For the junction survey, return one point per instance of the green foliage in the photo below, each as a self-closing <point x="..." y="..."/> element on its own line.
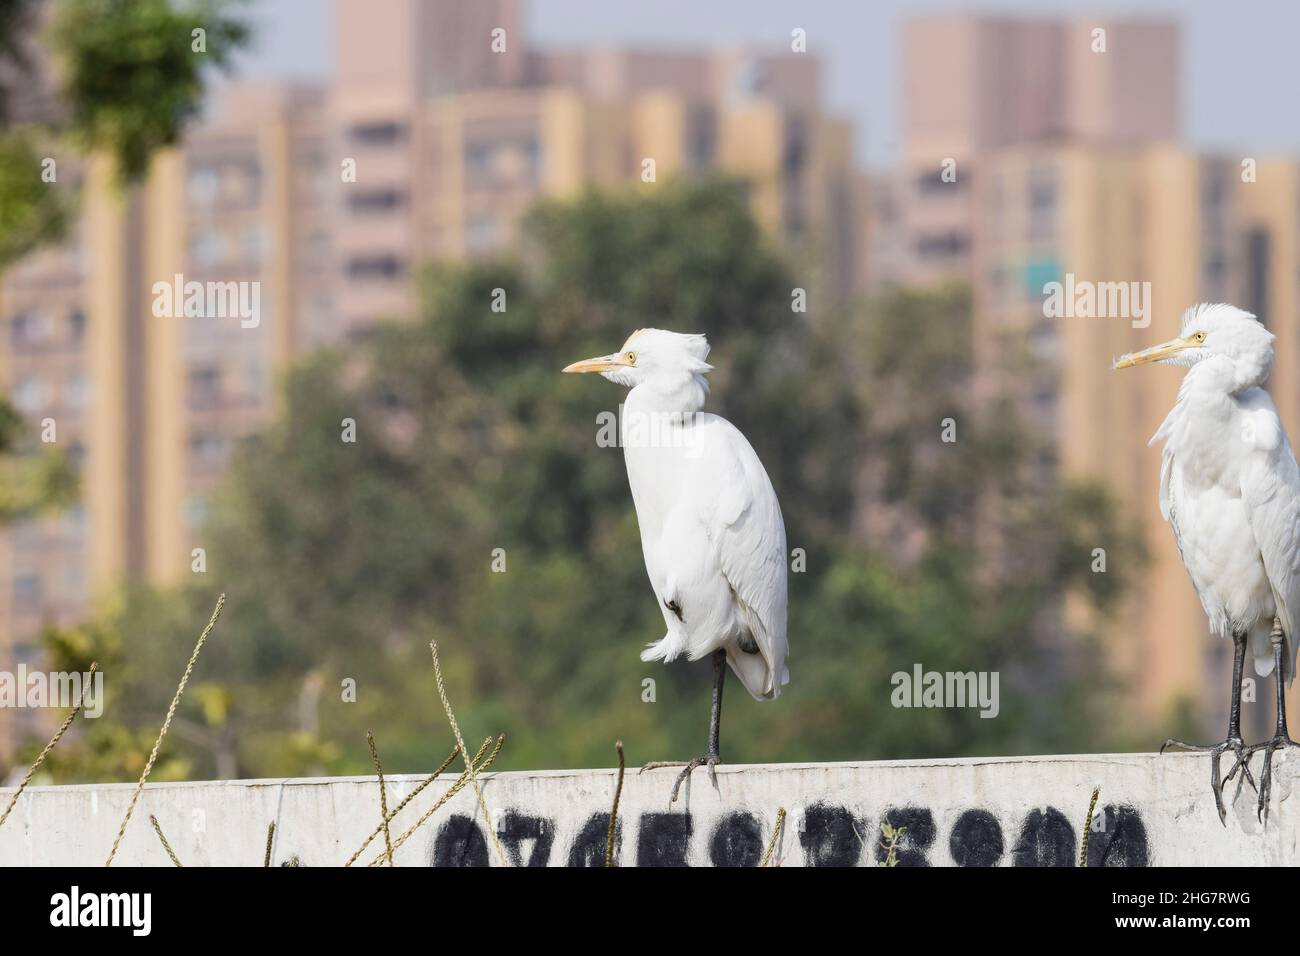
<point x="342" y="560"/>
<point x="131" y="80"/>
<point x="133" y="75"/>
<point x="116" y="745"/>
<point x="892" y="836"/>
<point x="32" y="480"/>
<point x="32" y="212"/>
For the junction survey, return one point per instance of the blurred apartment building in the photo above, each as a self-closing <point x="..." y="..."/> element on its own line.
<point x="1069" y="163"/>
<point x="975" y="85"/>
<point x="425" y="144"/>
<point x="453" y="142"/>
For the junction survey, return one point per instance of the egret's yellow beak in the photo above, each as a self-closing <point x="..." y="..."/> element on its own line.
<point x="602" y="363"/>
<point x="1154" y="354"/>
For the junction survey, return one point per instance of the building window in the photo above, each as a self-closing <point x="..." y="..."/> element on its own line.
<point x="255" y="380"/>
<point x="531" y="151"/>
<point x="253" y="243"/>
<point x="374" y="267"/>
<point x="1257" y="277"/>
<point x="483" y="232"/>
<point x="497" y="163"/>
<point x="1044" y="340"/>
<point x="77" y="325"/>
<point x="1213" y="191"/>
<point x="1042" y="204"/>
<point x="997" y="285"/>
<point x="204" y="386"/>
<point x="243" y="183"/>
<point x="794" y="156"/>
<point x="1043" y="410"/>
<point x="318" y="248"/>
<point x="205" y="248"/>
<point x="76" y="391"/>
<point x="996" y="195"/>
<point x="375" y="200"/>
<point x="27" y="592"/>
<point x="1038" y="273"/>
<point x="208" y="451"/>
<point x="478" y="160"/>
<point x="74" y="584"/>
<point x="701" y="139"/>
<point x="943" y="245"/>
<point x="932" y="182"/>
<point x="1215" y="267"/>
<point x="74" y="521"/>
<point x="204" y="185"/>
<point x="1042" y="189"/>
<point x="30" y="328"/>
<point x="29" y="394"/>
<point x="196" y="512"/>
<point x="377" y="134"/>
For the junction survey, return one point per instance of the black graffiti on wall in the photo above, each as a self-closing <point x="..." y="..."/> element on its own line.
<point x="828" y="835"/>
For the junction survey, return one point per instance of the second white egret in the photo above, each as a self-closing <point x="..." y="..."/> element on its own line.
<point x="1230" y="489"/>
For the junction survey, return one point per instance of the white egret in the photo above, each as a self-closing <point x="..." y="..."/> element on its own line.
<point x="1230" y="489"/>
<point x="711" y="527"/>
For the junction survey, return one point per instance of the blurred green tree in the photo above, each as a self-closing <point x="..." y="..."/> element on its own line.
<point x="343" y="559"/>
<point x="134" y="70"/>
<point x="131" y="73"/>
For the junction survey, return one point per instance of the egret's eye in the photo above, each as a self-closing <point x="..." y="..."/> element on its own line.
<point x="631" y="358"/>
<point x="1198" y="338"/>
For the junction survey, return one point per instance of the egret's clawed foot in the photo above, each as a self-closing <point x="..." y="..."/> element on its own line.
<point x="1242" y="763"/>
<point x="1266" y="774"/>
<point x="708" y="760"/>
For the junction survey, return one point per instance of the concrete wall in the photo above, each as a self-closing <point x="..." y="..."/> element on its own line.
<point x="1153" y="811"/>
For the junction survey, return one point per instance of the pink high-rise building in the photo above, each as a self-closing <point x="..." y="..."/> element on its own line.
<point x="976" y="84"/>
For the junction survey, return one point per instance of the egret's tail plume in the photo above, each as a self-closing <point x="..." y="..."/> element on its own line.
<point x="665" y="649"/>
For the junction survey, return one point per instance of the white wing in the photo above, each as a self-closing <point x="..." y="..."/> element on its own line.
<point x="1168" y="476"/>
<point x="1270" y="489"/>
<point x="752" y="554"/>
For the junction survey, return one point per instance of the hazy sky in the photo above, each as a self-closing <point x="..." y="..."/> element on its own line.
<point x="1241" y="67"/>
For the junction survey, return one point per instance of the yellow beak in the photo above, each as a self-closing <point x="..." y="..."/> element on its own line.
<point x="601" y="363"/>
<point x="1154" y="354"/>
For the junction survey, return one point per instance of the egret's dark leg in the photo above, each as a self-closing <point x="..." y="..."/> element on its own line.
<point x="1281" y="738"/>
<point x="713" y="757"/>
<point x="715" y="719"/>
<point x="1233" y="741"/>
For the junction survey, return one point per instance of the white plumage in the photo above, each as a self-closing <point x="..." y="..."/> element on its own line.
<point x="1230" y="490"/>
<point x="711" y="528"/>
<point x="714" y="545"/>
<point x="1229" y="485"/>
